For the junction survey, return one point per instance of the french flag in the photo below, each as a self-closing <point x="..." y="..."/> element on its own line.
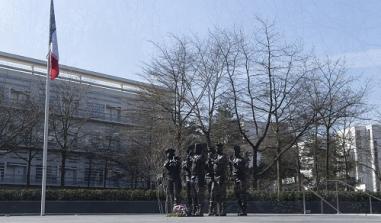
<point x="53" y="45"/>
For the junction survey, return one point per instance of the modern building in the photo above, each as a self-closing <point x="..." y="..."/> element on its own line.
<point x="363" y="143"/>
<point x="106" y="114"/>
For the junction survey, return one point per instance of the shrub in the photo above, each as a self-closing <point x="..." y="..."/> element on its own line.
<point x="14" y="194"/>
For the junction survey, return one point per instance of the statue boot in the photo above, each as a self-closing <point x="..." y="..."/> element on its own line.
<point x="243" y="211"/>
<point x="221" y="207"/>
<point x="212" y="208"/>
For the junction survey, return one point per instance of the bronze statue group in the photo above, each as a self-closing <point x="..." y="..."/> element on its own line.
<point x="203" y="172"/>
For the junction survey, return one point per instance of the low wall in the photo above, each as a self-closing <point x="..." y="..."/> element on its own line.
<point x="114" y="207"/>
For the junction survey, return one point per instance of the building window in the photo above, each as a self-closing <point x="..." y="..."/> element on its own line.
<point x="114" y="141"/>
<point x="113" y="113"/>
<point x="2" y="171"/>
<point x="38" y="173"/>
<point x="71" y="176"/>
<point x="16" y="172"/>
<point x="96" y="139"/>
<point x="96" y="110"/>
<point x="1" y="94"/>
<point x="51" y="173"/>
<point x="19" y="96"/>
<point x="94" y="176"/>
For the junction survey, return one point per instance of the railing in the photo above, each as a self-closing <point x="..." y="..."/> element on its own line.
<point x="322" y="201"/>
<point x="370" y="196"/>
<point x="337" y="206"/>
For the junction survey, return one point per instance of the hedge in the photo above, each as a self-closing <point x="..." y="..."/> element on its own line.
<point x="14" y="194"/>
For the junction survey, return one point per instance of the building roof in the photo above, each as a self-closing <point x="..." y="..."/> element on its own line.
<point x="38" y="67"/>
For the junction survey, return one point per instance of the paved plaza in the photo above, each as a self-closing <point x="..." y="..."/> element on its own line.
<point x="161" y="218"/>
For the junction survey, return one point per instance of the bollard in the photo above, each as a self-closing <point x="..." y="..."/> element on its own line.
<point x="337" y="199"/>
<point x="370" y="205"/>
<point x="304" y="202"/>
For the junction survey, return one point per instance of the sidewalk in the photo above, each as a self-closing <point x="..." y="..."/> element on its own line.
<point x="344" y="218"/>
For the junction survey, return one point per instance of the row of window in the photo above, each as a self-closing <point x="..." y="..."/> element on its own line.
<point x="103" y="111"/>
<point x="16" y="173"/>
<point x="94" y="110"/>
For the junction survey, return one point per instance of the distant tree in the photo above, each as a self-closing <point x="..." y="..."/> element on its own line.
<point x="344" y="148"/>
<point x="265" y="76"/>
<point x="30" y="141"/>
<point x="337" y="98"/>
<point x="171" y="76"/>
<point x="106" y="145"/>
<point x="19" y="119"/>
<point x="209" y="86"/>
<point x="225" y="127"/>
<point x="65" y="119"/>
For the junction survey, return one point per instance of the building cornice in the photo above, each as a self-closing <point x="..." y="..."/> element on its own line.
<point x="35" y="63"/>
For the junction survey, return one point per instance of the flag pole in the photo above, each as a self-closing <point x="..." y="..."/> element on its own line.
<point x="46" y="134"/>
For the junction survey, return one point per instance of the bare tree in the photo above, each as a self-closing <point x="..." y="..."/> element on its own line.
<point x="171" y="75"/>
<point x="344" y="142"/>
<point x="225" y="129"/>
<point x="17" y="117"/>
<point x="338" y="99"/>
<point x="66" y="119"/>
<point x="276" y="93"/>
<point x="31" y="142"/>
<point x="263" y="75"/>
<point x="208" y="89"/>
<point x="149" y="139"/>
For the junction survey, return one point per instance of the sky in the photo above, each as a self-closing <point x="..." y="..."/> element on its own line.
<point x="115" y="36"/>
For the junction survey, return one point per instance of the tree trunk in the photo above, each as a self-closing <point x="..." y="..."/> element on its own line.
<point x="278" y="164"/>
<point x="346" y="165"/>
<point x="63" y="168"/>
<point x="179" y="137"/>
<point x="89" y="172"/>
<point x="105" y="174"/>
<point x="255" y="167"/>
<point x="279" y="179"/>
<point x="278" y="161"/>
<point x="328" y="145"/>
<point x="298" y="168"/>
<point x="208" y="140"/>
<point x="377" y="170"/>
<point x="136" y="181"/>
<point x="29" y="164"/>
<point x="299" y="176"/>
<point x="316" y="161"/>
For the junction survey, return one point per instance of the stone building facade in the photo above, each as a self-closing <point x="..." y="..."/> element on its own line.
<point x="107" y="113"/>
<point x="363" y="142"/>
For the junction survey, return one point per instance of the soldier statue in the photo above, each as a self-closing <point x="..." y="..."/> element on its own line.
<point x="220" y="166"/>
<point x="198" y="179"/>
<point x="210" y="179"/>
<point x="240" y="182"/>
<point x="172" y="170"/>
<point x="187" y="169"/>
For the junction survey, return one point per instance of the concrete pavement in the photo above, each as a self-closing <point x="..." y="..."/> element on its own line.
<point x="260" y="218"/>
